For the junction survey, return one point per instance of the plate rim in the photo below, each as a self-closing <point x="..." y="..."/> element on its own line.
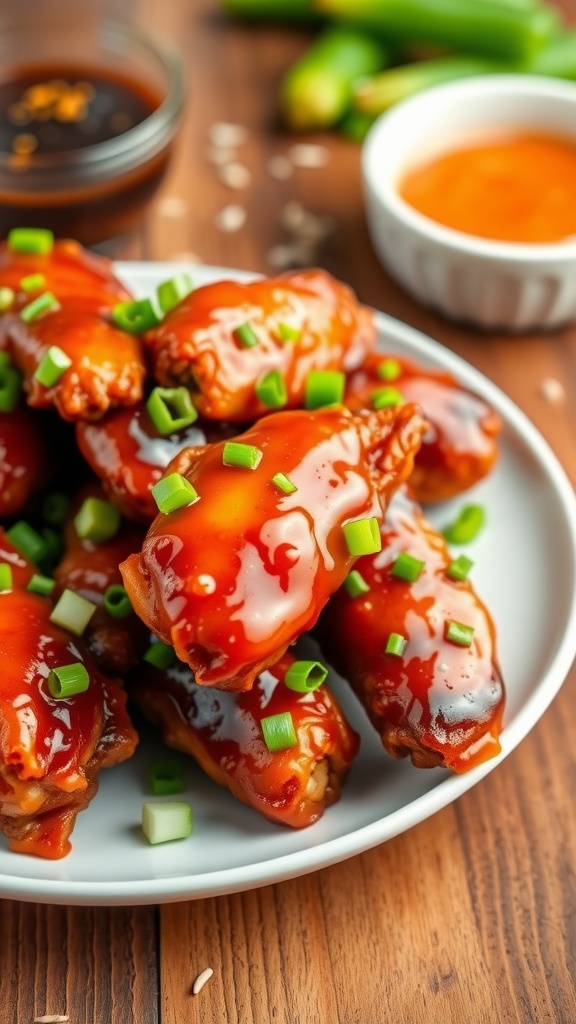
<point x="175" y="888"/>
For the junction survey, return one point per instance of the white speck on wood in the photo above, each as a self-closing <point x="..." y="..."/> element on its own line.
<point x="308" y="154"/>
<point x="280" y="167"/>
<point x="552" y="390"/>
<point x="172" y="206"/>
<point x="52" y="1018"/>
<point x="226" y="135"/>
<point x="201" y="980"/>
<point x="231" y="218"/>
<point x="234" y="175"/>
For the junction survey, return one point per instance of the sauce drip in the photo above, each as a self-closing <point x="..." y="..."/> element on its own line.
<point x="513" y="187"/>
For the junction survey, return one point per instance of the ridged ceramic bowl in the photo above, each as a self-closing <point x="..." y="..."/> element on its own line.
<point x="515" y="286"/>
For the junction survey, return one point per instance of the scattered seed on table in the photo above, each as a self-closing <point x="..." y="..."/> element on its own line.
<point x="201" y="980"/>
<point x="292" y="216"/>
<point x="226" y="135"/>
<point x="52" y="1018"/>
<point x="279" y="167"/>
<point x="218" y="155"/>
<point x="231" y="218"/>
<point x="185" y="257"/>
<point x="172" y="206"/>
<point x="552" y="390"/>
<point x="308" y="154"/>
<point x="234" y="175"/>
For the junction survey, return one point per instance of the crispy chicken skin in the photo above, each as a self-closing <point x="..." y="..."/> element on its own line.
<point x="25" y="458"/>
<point x="50" y="749"/>
<point x="438" y="703"/>
<point x="222" y="731"/>
<point x="129" y="455"/>
<point x="107" y="363"/>
<point x="196" y="345"/>
<point x="460" y="446"/>
<point x="232" y="579"/>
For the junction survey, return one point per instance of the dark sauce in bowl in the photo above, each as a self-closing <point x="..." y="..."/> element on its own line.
<point x="85" y="145"/>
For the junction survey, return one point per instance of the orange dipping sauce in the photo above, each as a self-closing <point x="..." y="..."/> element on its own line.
<point x="513" y="187"/>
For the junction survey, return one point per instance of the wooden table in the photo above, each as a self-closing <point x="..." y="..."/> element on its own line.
<point x="470" y="918"/>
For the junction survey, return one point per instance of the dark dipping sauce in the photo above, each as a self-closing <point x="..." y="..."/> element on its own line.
<point x="57" y="111"/>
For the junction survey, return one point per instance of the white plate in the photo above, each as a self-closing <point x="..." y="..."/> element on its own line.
<point x="525" y="570"/>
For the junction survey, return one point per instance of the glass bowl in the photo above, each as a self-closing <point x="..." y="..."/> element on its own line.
<point x="91" y="191"/>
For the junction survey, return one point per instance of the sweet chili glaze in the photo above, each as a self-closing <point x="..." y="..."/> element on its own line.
<point x="129" y="455"/>
<point x="234" y="578"/>
<point x="438" y="703"/>
<point x="107" y="364"/>
<point x="459" y="447"/>
<point x="50" y="748"/>
<point x="195" y="344"/>
<point x="511" y="185"/>
<point x="222" y="731"/>
<point x="87" y="568"/>
<point x="25" y="458"/>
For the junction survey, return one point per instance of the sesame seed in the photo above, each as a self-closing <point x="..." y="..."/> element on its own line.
<point x="308" y="154"/>
<point x="172" y="206"/>
<point x="219" y="155"/>
<point x="279" y="167"/>
<point x="225" y="135"/>
<point x="230" y="218"/>
<point x="52" y="1018"/>
<point x="201" y="980"/>
<point x="552" y="390"/>
<point x="234" y="175"/>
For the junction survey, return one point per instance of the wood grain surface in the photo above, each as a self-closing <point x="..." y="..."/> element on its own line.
<point x="469" y="918"/>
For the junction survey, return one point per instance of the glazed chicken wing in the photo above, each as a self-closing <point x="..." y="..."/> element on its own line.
<point x="234" y="577"/>
<point x="460" y="446"/>
<point x="222" y="339"/>
<point x="129" y="455"/>
<point x="436" y="701"/>
<point x="107" y="365"/>
<point x="25" y="458"/>
<point x="51" y="748"/>
<point x="222" y="731"/>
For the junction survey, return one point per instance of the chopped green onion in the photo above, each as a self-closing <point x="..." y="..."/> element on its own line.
<point x="246" y="456"/>
<point x="97" y="520"/>
<point x="171" y="409"/>
<point x="245" y="336"/>
<point x="136" y="316"/>
<point x="68" y="680"/>
<point x="165" y="777"/>
<point x="396" y="645"/>
<point x="27" y="541"/>
<point x="406" y="567"/>
<point x="52" y="366"/>
<point x="5" y="360"/>
<point x="37" y="307"/>
<point x="116" y="602"/>
<point x="55" y="508"/>
<point x="10" y="388"/>
<point x="7" y="297"/>
<point x="355" y="584"/>
<point x="389" y="369"/>
<point x="278" y="731"/>
<point x="458" y="633"/>
<point x="281" y="481"/>
<point x="386" y="397"/>
<point x="33" y="240"/>
<point x="271" y="390"/>
<point x="5" y="576"/>
<point x="289" y="333"/>
<point x="305" y="676"/>
<point x="363" y="536"/>
<point x="324" y="387"/>
<point x="72" y="612"/>
<point x="173" y="492"/>
<point x="160" y="655"/>
<point x="33" y="283"/>
<point x="466" y="526"/>
<point x="171" y="292"/>
<point x="43" y="585"/>
<point x="163" y="822"/>
<point x="459" y="569"/>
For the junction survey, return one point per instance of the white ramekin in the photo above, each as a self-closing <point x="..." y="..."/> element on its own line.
<point x="493" y="284"/>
